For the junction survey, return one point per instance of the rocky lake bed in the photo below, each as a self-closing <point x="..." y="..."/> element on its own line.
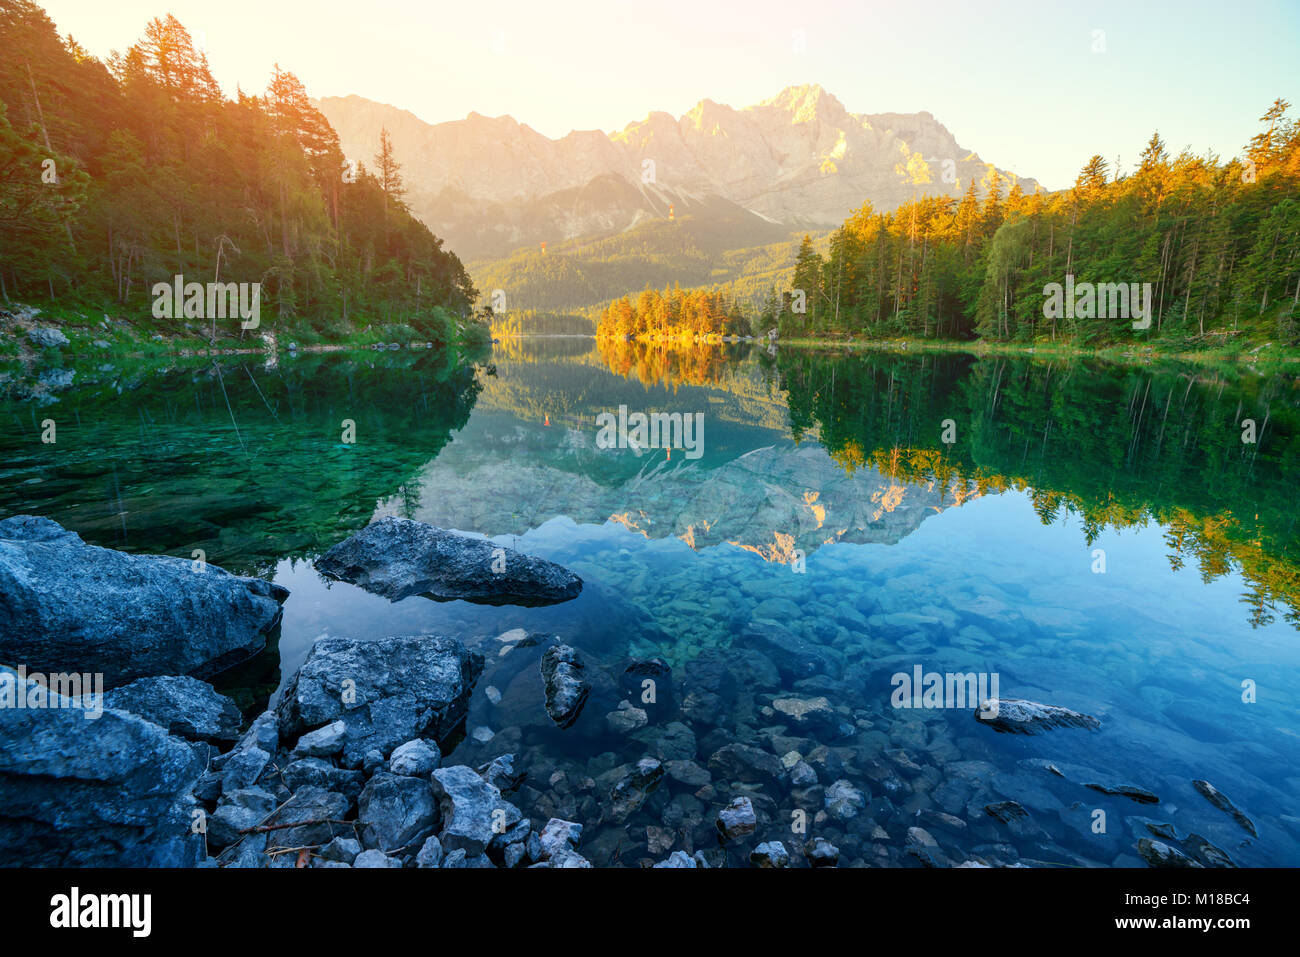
<point x="529" y="749"/>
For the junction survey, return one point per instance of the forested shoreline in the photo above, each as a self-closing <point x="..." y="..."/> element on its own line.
<point x="123" y="174"/>
<point x="1217" y="244"/>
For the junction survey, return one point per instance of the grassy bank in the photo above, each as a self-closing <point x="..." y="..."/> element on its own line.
<point x="1261" y="357"/>
<point x="98" y="336"/>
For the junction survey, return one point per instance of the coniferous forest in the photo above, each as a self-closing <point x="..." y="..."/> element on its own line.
<point x="1217" y="242"/>
<point x="117" y="175"/>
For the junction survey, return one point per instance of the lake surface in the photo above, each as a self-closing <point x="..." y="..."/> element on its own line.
<point x="1096" y="537"/>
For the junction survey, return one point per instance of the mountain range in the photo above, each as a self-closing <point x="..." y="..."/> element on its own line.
<point x="798" y="161"/>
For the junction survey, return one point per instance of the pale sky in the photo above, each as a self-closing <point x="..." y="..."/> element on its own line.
<point x="1029" y="84"/>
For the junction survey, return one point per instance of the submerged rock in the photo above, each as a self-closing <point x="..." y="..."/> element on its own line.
<point x="741" y="762"/>
<point x="397" y="558"/>
<point x="770" y="855"/>
<point x="794" y="657"/>
<point x="648" y="683"/>
<point x="737" y="819"/>
<point x="809" y="714"/>
<point x="501" y="774"/>
<point x="1207" y="853"/>
<point x="821" y="853"/>
<point x="1160" y="854"/>
<point x="676" y="860"/>
<point x="1130" y="791"/>
<point x="125" y="616"/>
<point x="1017" y="716"/>
<point x="1221" y="801"/>
<point x="386" y="692"/>
<point x="626" y="718"/>
<point x="843" y="801"/>
<point x="112" y="791"/>
<point x="566" y="686"/>
<point x="630" y="793"/>
<point x="185" y="707"/>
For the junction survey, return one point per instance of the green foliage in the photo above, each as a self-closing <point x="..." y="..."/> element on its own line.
<point x="1218" y="243"/>
<point x="159" y="175"/>
<point x="714" y="248"/>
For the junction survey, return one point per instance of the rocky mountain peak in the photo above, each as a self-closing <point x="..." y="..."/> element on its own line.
<point x="799" y="159"/>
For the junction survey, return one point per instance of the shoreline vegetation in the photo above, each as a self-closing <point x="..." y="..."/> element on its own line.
<point x="130" y="177"/>
<point x="89" y="340"/>
<point x="1187" y="257"/>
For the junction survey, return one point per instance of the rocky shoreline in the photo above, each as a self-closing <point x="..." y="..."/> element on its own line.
<point x="744" y="757"/>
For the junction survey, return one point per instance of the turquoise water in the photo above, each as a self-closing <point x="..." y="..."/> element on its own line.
<point x="956" y="560"/>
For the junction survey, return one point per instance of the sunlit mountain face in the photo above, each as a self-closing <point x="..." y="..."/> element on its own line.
<point x="1088" y="535"/>
<point x="798" y="159"/>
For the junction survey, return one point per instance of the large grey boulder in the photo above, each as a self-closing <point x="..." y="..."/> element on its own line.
<point x="184" y="706"/>
<point x="77" y="791"/>
<point x="126" y="616"/>
<point x="386" y="692"/>
<point x="473" y="812"/>
<point x="395" y="811"/>
<point x="397" y="558"/>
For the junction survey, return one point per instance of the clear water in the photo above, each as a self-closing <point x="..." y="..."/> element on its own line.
<point x="825" y="499"/>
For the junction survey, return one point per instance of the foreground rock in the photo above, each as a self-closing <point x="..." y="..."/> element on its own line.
<point x="1220" y="800"/>
<point x="185" y="707"/>
<point x="386" y="692"/>
<point x="1017" y="716"/>
<point x="72" y="605"/>
<point x="397" y="558"/>
<point x="566" y="687"/>
<point x="396" y="812"/>
<point x="82" y="792"/>
<point x="474" y="814"/>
